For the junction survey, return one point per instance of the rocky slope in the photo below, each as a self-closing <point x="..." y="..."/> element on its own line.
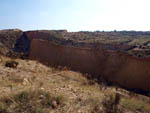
<point x="8" y="40"/>
<point x="32" y="87"/>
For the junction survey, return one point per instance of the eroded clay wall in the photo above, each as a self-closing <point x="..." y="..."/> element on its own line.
<point x="125" y="70"/>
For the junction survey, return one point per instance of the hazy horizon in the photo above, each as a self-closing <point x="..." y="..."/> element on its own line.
<point x="75" y="15"/>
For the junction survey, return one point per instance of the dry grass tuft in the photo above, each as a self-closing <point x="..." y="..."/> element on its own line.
<point x="134" y="105"/>
<point x="110" y="102"/>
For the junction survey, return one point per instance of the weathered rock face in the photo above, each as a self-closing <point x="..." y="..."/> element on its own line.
<point x="8" y="39"/>
<point x="125" y="70"/>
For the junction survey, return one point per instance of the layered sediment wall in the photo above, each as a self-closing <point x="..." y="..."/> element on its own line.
<point x="127" y="71"/>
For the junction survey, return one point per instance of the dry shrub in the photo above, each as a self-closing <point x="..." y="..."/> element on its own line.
<point x="11" y="64"/>
<point x="94" y="103"/>
<point x="110" y="102"/>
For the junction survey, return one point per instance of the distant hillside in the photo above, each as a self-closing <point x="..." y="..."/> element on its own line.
<point x="131" y="42"/>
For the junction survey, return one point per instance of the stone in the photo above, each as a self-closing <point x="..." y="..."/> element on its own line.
<point x="54" y="104"/>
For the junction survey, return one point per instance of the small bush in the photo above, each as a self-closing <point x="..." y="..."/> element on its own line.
<point x="11" y="64"/>
<point x="94" y="103"/>
<point x="110" y="103"/>
<point x="96" y="106"/>
<point x="92" y="82"/>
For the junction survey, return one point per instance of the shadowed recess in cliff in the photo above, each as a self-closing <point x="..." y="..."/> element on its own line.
<point x="22" y="44"/>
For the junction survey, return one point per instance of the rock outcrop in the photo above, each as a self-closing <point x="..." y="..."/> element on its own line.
<point x="8" y="40"/>
<point x="125" y="70"/>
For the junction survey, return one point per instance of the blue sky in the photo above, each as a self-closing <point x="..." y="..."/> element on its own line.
<point x="75" y="15"/>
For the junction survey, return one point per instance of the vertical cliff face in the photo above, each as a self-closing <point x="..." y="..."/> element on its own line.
<point x="135" y="73"/>
<point x="77" y="59"/>
<point x="125" y="70"/>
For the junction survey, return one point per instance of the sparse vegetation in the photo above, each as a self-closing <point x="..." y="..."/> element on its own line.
<point x="30" y="101"/>
<point x="35" y="88"/>
<point x="134" y="105"/>
<point x="95" y="104"/>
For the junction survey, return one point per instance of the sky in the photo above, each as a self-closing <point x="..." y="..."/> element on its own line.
<point x="75" y="15"/>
